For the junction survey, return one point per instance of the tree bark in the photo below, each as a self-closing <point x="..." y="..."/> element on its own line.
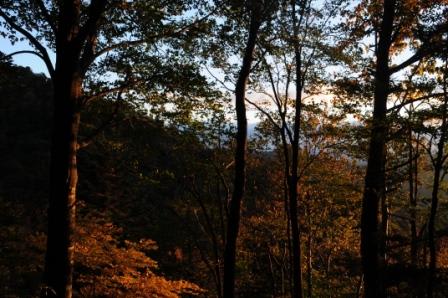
<point x="438" y="167"/>
<point x="63" y="179"/>
<point x="412" y="199"/>
<point x="233" y="220"/>
<point x="294" y="177"/>
<point x="431" y="227"/>
<point x="374" y="189"/>
<point x="63" y="168"/>
<point x="309" y="260"/>
<point x="72" y="42"/>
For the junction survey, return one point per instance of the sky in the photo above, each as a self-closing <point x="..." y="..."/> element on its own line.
<point x="38" y="66"/>
<point x="29" y="60"/>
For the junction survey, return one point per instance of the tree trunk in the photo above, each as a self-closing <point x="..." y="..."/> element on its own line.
<point x="294" y="178"/>
<point x="233" y="220"/>
<point x="374" y="189"/>
<point x="310" y="262"/>
<point x="412" y="200"/>
<point x="294" y="218"/>
<point x="438" y="166"/>
<point x="412" y="183"/>
<point x="63" y="169"/>
<point x="63" y="179"/>
<point x="431" y="227"/>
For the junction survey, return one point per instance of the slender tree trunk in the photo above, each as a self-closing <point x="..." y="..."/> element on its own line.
<point x="294" y="217"/>
<point x="233" y="220"/>
<point x="294" y="178"/>
<point x="412" y="200"/>
<point x="438" y="166"/>
<point x="417" y="149"/>
<point x="374" y="189"/>
<point x="310" y="265"/>
<point x="431" y="228"/>
<point x="286" y="196"/>
<point x="384" y="229"/>
<point x="412" y="183"/>
<point x="295" y="230"/>
<point x="272" y="274"/>
<point x="359" y="287"/>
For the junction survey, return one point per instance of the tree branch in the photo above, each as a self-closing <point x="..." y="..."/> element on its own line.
<point x="88" y="140"/>
<point x="422" y="52"/>
<point x="264" y="113"/>
<point x="46" y="14"/>
<point x="89" y="32"/>
<point x="103" y="93"/>
<point x="39" y="47"/>
<point x="152" y="37"/>
<point x="399" y="106"/>
<point x="22" y="52"/>
<point x="425" y="49"/>
<point x="96" y="9"/>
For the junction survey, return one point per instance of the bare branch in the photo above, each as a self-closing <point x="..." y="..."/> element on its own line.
<point x="264" y="113"/>
<point x="37" y="45"/>
<point x="105" y="92"/>
<point x="88" y="140"/>
<point x="23" y="52"/>
<point x="413" y="100"/>
<point x="221" y="82"/>
<point x="123" y="44"/>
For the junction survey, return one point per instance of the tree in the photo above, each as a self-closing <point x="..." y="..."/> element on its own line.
<point x="110" y="259"/>
<point x="374" y="190"/>
<point x="255" y="10"/>
<point x="395" y="26"/>
<point x="296" y="53"/>
<point x="81" y="36"/>
<point x="434" y="116"/>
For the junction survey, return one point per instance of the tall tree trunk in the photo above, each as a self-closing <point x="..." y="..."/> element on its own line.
<point x="233" y="220"/>
<point x="431" y="227"/>
<point x="412" y="184"/>
<point x="63" y="179"/>
<point x="63" y="168"/>
<point x="384" y="229"/>
<point x="374" y="189"/>
<point x="309" y="257"/>
<point x="294" y="177"/>
<point x="294" y="218"/>
<point x="438" y="166"/>
<point x="412" y="199"/>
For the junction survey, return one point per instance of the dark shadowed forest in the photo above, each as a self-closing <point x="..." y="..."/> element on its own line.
<point x="224" y="148"/>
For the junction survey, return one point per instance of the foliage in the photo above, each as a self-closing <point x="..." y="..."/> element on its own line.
<point x="110" y="268"/>
<point x="156" y="147"/>
<point x="107" y="264"/>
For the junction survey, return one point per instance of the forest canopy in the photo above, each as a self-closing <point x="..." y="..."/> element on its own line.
<point x="224" y="148"/>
